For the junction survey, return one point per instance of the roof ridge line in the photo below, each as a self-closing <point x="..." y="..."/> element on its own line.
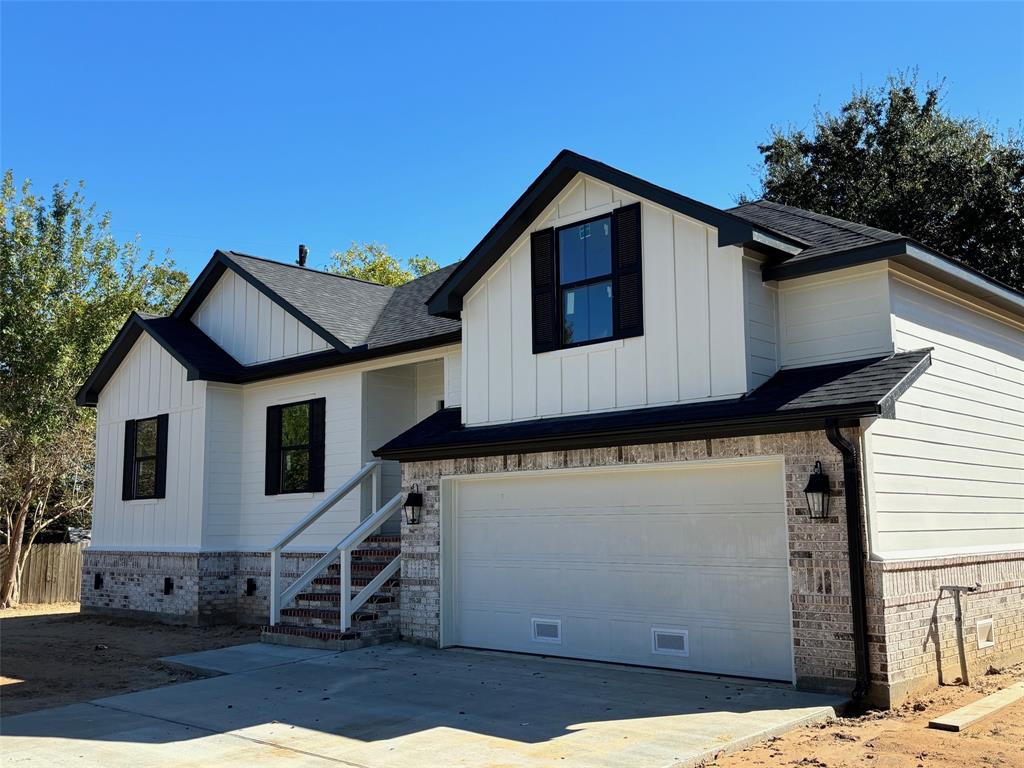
<point x="307" y="269"/>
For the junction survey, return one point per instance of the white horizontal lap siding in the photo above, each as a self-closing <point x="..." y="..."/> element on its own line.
<point x="948" y="472"/>
<point x="256" y="520"/>
<point x="453" y="377"/>
<point x="762" y="329"/>
<point x="693" y="345"/>
<point x="842" y="315"/>
<point x="147" y="383"/>
<point x="251" y="327"/>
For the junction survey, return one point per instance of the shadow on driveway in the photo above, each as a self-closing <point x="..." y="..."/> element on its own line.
<point x="407" y="705"/>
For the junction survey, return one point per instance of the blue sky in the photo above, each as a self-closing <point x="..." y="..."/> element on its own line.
<point x="260" y="126"/>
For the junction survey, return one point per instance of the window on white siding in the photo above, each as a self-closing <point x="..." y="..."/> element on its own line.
<point x="585" y="280"/>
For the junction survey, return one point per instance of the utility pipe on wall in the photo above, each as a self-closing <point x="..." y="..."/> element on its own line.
<point x="855" y="547"/>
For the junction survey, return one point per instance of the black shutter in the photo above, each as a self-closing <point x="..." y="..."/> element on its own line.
<point x="628" y="271"/>
<point x="272" y="474"/>
<point x="128" y="475"/>
<point x="544" y="282"/>
<point x="317" y="432"/>
<point x="161" y="456"/>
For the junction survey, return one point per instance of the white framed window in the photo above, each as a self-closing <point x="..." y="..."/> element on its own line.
<point x="669" y="641"/>
<point x="546" y="630"/>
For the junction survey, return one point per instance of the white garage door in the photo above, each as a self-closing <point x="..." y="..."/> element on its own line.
<point x="670" y="567"/>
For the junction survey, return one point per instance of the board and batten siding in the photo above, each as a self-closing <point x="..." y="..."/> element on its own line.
<point x="147" y="383"/>
<point x="841" y="315"/>
<point x="250" y="326"/>
<point x="693" y="345"/>
<point x="761" y="302"/>
<point x="947" y="475"/>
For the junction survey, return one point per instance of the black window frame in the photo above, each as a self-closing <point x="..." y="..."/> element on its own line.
<point x="133" y="459"/>
<point x="561" y="287"/>
<point x="276" y="450"/>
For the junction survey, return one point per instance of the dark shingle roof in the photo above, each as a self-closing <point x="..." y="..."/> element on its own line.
<point x="344" y="307"/>
<point x="794" y="399"/>
<point x="405" y="316"/>
<point x="823" y="234"/>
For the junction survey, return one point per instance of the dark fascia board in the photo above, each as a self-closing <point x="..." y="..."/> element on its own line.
<point x="208" y="278"/>
<point x="887" y="406"/>
<point x="732" y="230"/>
<point x="330" y="359"/>
<point x="796" y="421"/>
<point x="88" y="394"/>
<point x="911" y="254"/>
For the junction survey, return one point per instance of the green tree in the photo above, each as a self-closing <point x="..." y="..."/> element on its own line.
<point x="894" y="158"/>
<point x="371" y="261"/>
<point x="66" y="287"/>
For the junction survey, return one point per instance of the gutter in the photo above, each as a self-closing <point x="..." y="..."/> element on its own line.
<point x="855" y="545"/>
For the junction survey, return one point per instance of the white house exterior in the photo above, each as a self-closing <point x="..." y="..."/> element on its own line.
<point x="611" y="408"/>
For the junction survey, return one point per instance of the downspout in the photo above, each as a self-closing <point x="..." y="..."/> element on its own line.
<point x="855" y="543"/>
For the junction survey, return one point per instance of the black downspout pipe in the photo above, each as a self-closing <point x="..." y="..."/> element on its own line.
<point x="855" y="543"/>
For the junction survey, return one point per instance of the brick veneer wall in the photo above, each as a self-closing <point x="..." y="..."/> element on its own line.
<point x="918" y="647"/>
<point x="209" y="587"/>
<point x="822" y="619"/>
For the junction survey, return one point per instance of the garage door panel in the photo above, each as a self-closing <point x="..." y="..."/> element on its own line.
<point x="612" y="555"/>
<point x="626" y="535"/>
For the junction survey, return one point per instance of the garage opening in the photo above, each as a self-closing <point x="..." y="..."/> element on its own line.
<point x="677" y="566"/>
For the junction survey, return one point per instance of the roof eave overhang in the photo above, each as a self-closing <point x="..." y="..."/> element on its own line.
<point x="846" y="416"/>
<point x="910" y="254"/>
<point x="732" y="230"/>
<point x="88" y="394"/>
<point x="221" y="261"/>
<point x="332" y="359"/>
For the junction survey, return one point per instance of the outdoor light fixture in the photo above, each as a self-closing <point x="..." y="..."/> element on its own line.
<point x="413" y="505"/>
<point x="817" y="492"/>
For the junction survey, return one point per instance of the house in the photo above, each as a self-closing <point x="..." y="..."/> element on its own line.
<point x="627" y="427"/>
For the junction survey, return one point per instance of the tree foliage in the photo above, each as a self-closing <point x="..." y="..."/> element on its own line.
<point x="894" y="158"/>
<point x="66" y="287"/>
<point x="373" y="262"/>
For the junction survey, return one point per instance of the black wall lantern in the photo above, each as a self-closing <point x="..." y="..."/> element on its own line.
<point x="413" y="505"/>
<point x="817" y="493"/>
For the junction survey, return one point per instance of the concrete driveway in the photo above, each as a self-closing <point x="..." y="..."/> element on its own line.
<point x="403" y="705"/>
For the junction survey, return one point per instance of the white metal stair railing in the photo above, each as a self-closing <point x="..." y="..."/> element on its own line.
<point x="342" y="551"/>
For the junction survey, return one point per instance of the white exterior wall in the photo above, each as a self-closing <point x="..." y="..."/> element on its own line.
<point x="257" y="520"/>
<point x="150" y="382"/>
<point x="693" y="346"/>
<point x="453" y="377"/>
<point x="430" y="388"/>
<point x="761" y="301"/>
<point x="947" y="475"/>
<point x="366" y="407"/>
<point x="841" y="315"/>
<point x="251" y="327"/>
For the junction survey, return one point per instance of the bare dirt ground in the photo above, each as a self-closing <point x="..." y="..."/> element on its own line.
<point x="51" y="655"/>
<point x="902" y="738"/>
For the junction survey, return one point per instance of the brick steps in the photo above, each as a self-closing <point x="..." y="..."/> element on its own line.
<point x="313" y="619"/>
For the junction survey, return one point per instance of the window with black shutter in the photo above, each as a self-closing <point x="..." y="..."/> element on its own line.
<point x="587" y="281"/>
<point x="295" y="447"/>
<point x="145" y="458"/>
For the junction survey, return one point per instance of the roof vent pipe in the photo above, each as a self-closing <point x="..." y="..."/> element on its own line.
<point x="303" y="253"/>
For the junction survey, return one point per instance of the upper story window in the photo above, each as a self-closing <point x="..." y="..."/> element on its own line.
<point x="585" y="280"/>
<point x="295" y="447"/>
<point x="145" y="458"/>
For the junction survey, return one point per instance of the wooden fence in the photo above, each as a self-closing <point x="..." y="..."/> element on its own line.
<point x="53" y="574"/>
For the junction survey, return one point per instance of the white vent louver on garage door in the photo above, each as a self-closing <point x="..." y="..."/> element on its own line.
<point x="547" y="630"/>
<point x="670" y="642"/>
